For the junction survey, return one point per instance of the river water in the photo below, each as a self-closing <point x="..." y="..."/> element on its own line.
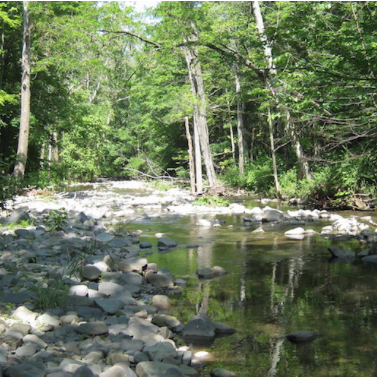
<point x="274" y="286"/>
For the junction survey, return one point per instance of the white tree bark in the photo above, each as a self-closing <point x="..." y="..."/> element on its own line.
<point x="303" y="166"/>
<point x="23" y="138"/>
<point x="200" y="113"/>
<point x="240" y="125"/>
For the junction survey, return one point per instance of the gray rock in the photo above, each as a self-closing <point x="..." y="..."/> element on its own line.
<point x="157" y="369"/>
<point x="132" y="344"/>
<point x="301" y="337"/>
<point x="110" y="306"/>
<point x="159" y="281"/>
<point x="140" y="356"/>
<point x="340" y="253"/>
<point x="16" y="217"/>
<point x="118" y="371"/>
<point x="26" y="350"/>
<point x="104" y="237"/>
<point x="88" y="312"/>
<point x="25" y="370"/>
<point x="24" y="233"/>
<point x="83" y="372"/>
<point x="370" y="259"/>
<point x="93" y="328"/>
<point x="70" y="366"/>
<point x="222" y="329"/>
<point x="34" y="339"/>
<point x="205" y="273"/>
<point x="90" y="272"/>
<point x="132" y="264"/>
<point x="138" y="328"/>
<point x="219" y="372"/>
<point x="166" y="242"/>
<point x="160" y="351"/>
<point x="272" y="215"/>
<point x="161" y="302"/>
<point x="145" y="245"/>
<point x="199" y="328"/>
<point x="110" y="289"/>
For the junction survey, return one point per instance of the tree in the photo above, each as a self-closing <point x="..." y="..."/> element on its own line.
<point x="23" y="139"/>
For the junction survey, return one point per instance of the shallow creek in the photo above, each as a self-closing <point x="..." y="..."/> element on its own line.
<point x="274" y="286"/>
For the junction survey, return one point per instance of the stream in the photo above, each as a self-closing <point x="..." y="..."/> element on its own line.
<point x="274" y="286"/>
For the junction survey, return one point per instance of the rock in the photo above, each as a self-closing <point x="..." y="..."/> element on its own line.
<point x="104" y="237"/>
<point x="25" y="370"/>
<point x="16" y="217"/>
<point x="24" y="314"/>
<point x="161" y="302"/>
<point x="296" y="231"/>
<point x="110" y="289"/>
<point x="370" y="259"/>
<point x="219" y="372"/>
<point x="302" y="337"/>
<point x="272" y="215"/>
<point x="166" y="242"/>
<point x="90" y="272"/>
<point x="83" y="371"/>
<point x="157" y="369"/>
<point x="337" y="252"/>
<point x="204" y="222"/>
<point x="205" y="273"/>
<point x="138" y="328"/>
<point x="26" y="350"/>
<point x="118" y="371"/>
<point x="145" y="245"/>
<point x="222" y="329"/>
<point x="93" y="328"/>
<point x="199" y="328"/>
<point x="109" y="306"/>
<point x="160" y="351"/>
<point x="159" y="281"/>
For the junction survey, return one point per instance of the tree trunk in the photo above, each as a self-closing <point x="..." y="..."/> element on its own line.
<point x="191" y="155"/>
<point x="240" y="125"/>
<point x="303" y="166"/>
<point x="273" y="155"/>
<point x="23" y="139"/>
<point x="200" y="104"/>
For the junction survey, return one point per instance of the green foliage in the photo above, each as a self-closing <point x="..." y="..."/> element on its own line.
<point x="9" y="185"/>
<point x="257" y="177"/>
<point x="212" y="201"/>
<point x="57" y="219"/>
<point x="52" y="295"/>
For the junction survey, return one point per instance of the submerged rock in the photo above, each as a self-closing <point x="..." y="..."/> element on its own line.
<point x="337" y="252"/>
<point x="302" y="337"/>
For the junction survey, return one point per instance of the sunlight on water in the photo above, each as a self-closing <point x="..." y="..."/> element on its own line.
<point x="274" y="286"/>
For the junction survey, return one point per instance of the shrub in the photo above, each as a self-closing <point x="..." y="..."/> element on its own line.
<point x="212" y="201"/>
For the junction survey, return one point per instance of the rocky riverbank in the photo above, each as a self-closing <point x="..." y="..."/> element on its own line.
<point x="79" y="300"/>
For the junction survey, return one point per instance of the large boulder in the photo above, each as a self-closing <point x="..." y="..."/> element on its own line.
<point x="272" y="215"/>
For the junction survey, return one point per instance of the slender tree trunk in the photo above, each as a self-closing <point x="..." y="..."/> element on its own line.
<point x="303" y="166"/>
<point x="273" y="155"/>
<point x="191" y="155"/>
<point x="240" y="125"/>
<point x="200" y="102"/>
<point x="23" y="139"/>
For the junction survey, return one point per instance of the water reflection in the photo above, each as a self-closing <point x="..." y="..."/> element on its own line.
<point x="275" y="286"/>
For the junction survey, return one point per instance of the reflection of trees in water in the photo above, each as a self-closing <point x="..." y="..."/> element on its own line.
<point x="278" y="301"/>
